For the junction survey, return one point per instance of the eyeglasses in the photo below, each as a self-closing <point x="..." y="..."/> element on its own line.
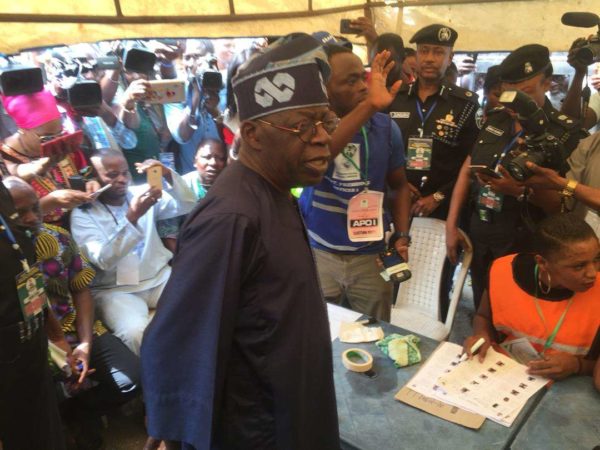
<point x="307" y="130"/>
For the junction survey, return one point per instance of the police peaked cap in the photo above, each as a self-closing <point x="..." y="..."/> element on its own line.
<point x="524" y="63"/>
<point x="289" y="74"/>
<point x="435" y="34"/>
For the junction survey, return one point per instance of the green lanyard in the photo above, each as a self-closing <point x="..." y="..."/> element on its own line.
<point x="363" y="175"/>
<point x="552" y="335"/>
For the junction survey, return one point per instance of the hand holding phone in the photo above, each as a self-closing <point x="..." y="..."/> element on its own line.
<point x="395" y="268"/>
<point x="346" y="27"/>
<point x="154" y="176"/>
<point x="62" y="145"/>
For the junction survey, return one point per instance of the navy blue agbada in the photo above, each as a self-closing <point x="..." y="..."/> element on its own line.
<point x="239" y="353"/>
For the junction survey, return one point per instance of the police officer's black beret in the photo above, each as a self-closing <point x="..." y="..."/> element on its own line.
<point x="492" y="78"/>
<point x="435" y="34"/>
<point x="524" y="63"/>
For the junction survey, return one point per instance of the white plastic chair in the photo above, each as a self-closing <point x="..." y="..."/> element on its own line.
<point x="417" y="307"/>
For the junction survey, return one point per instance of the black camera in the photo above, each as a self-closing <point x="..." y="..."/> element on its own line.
<point x="20" y="80"/>
<point x="108" y="63"/>
<point x="542" y="148"/>
<point x="85" y="94"/>
<point x="586" y="50"/>
<point x="211" y="80"/>
<point x="139" y="60"/>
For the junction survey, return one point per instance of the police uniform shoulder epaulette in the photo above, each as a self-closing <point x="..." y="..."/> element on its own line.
<point x="563" y="120"/>
<point x="496" y="110"/>
<point x="463" y="93"/>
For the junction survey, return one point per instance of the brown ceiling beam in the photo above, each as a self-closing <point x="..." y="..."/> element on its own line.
<point x="233" y="17"/>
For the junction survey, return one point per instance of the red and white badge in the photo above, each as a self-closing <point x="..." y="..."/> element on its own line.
<point x="365" y="217"/>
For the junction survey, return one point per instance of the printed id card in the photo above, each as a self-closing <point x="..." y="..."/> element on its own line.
<point x="31" y="292"/>
<point x="419" y="153"/>
<point x="365" y="217"/>
<point x="490" y="199"/>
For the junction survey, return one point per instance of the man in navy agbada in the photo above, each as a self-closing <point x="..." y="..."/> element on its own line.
<point x="239" y="352"/>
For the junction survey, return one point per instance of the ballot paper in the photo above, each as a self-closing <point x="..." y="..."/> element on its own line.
<point x="337" y="315"/>
<point x="471" y="386"/>
<point x="59" y="356"/>
<point x="355" y="333"/>
<point x="497" y="388"/>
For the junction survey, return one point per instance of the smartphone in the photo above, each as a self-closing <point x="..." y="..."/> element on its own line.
<point x="96" y="194"/>
<point x="108" y="63"/>
<point x="154" y="177"/>
<point x="77" y="183"/>
<point x="484" y="170"/>
<point x="346" y="27"/>
<point x="166" y="91"/>
<point x="396" y="268"/>
<point x="59" y="144"/>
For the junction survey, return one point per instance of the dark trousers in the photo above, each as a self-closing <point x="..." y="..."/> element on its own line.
<point x="117" y="373"/>
<point x="503" y="236"/>
<point x="29" y="418"/>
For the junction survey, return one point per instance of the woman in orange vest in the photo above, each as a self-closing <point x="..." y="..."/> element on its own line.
<point x="550" y="298"/>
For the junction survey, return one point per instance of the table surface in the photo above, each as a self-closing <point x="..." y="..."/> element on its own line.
<point x="370" y="417"/>
<point x="567" y="417"/>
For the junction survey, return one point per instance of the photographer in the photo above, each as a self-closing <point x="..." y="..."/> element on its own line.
<point x="500" y="219"/>
<point x="572" y="101"/>
<point x="87" y="109"/>
<point x="197" y="119"/>
<point x="145" y="119"/>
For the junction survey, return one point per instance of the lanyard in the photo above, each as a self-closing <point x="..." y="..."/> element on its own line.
<point x="507" y="148"/>
<point x="8" y="235"/>
<point x="424" y="119"/>
<point x="552" y="335"/>
<point x="363" y="175"/>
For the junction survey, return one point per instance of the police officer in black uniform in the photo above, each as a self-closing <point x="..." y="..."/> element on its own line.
<point x="29" y="418"/>
<point x="502" y="210"/>
<point x="437" y="120"/>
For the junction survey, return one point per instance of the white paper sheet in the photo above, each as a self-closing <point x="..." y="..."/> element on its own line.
<point x="337" y="315"/>
<point x="498" y="387"/>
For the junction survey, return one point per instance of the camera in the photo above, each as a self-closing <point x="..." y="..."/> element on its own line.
<point x="542" y="148"/>
<point x="139" y="60"/>
<point x="84" y="94"/>
<point x="586" y="50"/>
<point x="20" y="80"/>
<point x="395" y="267"/>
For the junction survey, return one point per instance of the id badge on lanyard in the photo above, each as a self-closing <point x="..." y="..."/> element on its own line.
<point x="490" y="199"/>
<point x="365" y="217"/>
<point x="420" y="147"/>
<point x="31" y="292"/>
<point x="420" y="150"/>
<point x="30" y="283"/>
<point x="365" y="210"/>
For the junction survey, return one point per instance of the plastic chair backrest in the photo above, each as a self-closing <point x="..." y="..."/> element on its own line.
<point x="427" y="254"/>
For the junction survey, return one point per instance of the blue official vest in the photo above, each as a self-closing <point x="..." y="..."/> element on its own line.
<point x="324" y="205"/>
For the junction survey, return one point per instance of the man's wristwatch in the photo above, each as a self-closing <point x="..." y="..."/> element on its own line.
<point x="439" y="196"/>
<point x="404" y="235"/>
<point x="569" y="189"/>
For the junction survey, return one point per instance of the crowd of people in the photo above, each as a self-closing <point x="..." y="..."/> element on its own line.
<point x="167" y="248"/>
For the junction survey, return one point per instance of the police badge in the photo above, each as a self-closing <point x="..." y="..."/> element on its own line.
<point x="444" y="34"/>
<point x="527" y="68"/>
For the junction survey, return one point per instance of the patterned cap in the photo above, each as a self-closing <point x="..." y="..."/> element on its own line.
<point x="289" y="74"/>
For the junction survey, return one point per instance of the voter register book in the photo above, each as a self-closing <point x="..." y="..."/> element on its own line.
<point x="467" y="392"/>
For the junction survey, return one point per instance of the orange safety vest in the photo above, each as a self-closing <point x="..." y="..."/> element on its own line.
<point x="514" y="313"/>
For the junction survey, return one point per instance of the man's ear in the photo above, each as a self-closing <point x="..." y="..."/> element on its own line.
<point x="250" y="133"/>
